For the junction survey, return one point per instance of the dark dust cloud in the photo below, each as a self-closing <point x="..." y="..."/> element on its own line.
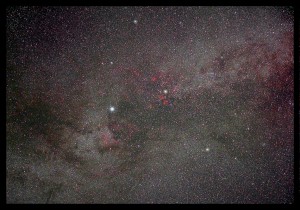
<point x="149" y="105"/>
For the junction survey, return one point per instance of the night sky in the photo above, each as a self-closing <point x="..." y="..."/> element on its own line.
<point x="149" y="105"/>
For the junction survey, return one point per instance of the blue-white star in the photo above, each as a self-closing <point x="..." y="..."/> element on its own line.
<point x="112" y="109"/>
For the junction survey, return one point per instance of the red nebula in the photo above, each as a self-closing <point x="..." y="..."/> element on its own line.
<point x="154" y="79"/>
<point x="165" y="102"/>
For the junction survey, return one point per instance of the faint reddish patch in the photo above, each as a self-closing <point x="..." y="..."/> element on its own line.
<point x="107" y="139"/>
<point x="161" y="97"/>
<point x="165" y="102"/>
<point x="175" y="89"/>
<point x="154" y="79"/>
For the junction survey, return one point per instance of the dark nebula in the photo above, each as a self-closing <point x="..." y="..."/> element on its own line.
<point x="150" y="105"/>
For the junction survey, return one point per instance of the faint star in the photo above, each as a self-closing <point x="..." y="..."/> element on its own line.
<point x="207" y="149"/>
<point x="135" y="21"/>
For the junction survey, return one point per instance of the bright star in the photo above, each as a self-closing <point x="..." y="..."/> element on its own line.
<point x="112" y="109"/>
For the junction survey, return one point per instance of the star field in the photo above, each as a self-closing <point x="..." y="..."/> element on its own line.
<point x="149" y="105"/>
